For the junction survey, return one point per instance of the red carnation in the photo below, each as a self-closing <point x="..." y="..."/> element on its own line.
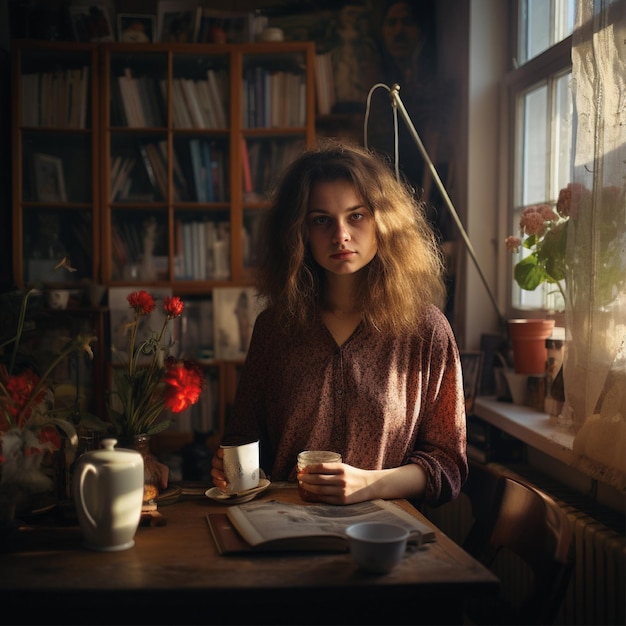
<point x="20" y="388"/>
<point x="185" y="382"/>
<point x="173" y="306"/>
<point x="142" y="302"/>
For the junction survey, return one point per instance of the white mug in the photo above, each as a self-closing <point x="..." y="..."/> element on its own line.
<point x="241" y="466"/>
<point x="108" y="494"/>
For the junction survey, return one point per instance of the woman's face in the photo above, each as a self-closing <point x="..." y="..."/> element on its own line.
<point x="342" y="234"/>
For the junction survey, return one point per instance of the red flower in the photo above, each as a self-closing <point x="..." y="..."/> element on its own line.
<point x="173" y="306"/>
<point x="50" y="435"/>
<point x="20" y="387"/>
<point x="185" y="382"/>
<point x="142" y="302"/>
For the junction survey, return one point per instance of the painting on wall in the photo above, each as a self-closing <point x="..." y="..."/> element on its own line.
<point x="344" y="36"/>
<point x="369" y="47"/>
<point x="235" y="310"/>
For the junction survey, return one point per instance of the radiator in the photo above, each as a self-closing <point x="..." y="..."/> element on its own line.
<point x="597" y="590"/>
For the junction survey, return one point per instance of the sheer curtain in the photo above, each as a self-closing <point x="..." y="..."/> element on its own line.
<point x="595" y="364"/>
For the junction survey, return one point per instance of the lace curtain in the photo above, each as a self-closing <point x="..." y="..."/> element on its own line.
<point x="595" y="362"/>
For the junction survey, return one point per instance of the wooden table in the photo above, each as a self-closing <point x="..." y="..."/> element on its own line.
<point x="174" y="575"/>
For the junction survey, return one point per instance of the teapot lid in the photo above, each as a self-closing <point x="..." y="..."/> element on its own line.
<point x="110" y="454"/>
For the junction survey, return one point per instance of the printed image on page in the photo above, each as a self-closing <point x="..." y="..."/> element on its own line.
<point x="259" y="522"/>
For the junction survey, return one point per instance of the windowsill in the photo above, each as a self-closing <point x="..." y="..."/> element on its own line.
<point x="528" y="425"/>
<point x="549" y="449"/>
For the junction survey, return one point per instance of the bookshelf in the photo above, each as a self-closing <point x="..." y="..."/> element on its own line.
<point x="55" y="213"/>
<point x="163" y="175"/>
<point x="54" y="152"/>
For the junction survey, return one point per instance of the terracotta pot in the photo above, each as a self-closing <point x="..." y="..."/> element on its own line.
<point x="528" y="337"/>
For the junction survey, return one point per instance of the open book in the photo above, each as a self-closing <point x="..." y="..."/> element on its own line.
<point x="273" y="525"/>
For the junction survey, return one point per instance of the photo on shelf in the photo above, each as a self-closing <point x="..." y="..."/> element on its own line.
<point x="91" y="21"/>
<point x="235" y="310"/>
<point x="218" y="26"/>
<point x="178" y="22"/>
<point x="134" y="28"/>
<point x="49" y="179"/>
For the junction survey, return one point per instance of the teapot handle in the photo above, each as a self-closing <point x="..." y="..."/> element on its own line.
<point x="88" y="468"/>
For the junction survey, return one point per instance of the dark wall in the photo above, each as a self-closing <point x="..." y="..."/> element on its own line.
<point x="6" y="279"/>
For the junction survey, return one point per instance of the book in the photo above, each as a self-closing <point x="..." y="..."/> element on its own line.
<point x="245" y="166"/>
<point x="198" y="171"/>
<point x="270" y="525"/>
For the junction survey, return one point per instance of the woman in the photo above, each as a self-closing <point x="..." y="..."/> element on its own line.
<point x="352" y="353"/>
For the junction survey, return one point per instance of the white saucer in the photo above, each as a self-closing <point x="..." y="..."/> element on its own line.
<point x="239" y="497"/>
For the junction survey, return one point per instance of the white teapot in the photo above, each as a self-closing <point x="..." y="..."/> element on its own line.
<point x="108" y="494"/>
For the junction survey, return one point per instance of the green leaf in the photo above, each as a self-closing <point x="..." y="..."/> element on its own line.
<point x="158" y="427"/>
<point x="529" y="274"/>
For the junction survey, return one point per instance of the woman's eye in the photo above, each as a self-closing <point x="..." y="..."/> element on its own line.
<point x="320" y="220"/>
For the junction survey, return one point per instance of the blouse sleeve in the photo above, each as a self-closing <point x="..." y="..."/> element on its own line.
<point x="440" y="447"/>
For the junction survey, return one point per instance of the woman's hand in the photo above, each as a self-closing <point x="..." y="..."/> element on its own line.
<point x="217" y="470"/>
<point x="335" y="483"/>
<point x="339" y="483"/>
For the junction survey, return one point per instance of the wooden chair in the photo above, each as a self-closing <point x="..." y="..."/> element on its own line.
<point x="512" y="515"/>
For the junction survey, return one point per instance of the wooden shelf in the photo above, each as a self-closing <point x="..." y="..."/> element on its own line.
<point x="149" y="180"/>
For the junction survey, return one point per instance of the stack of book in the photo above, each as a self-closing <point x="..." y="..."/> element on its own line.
<point x="55" y="99"/>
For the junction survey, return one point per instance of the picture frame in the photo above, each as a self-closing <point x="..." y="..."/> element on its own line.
<point x="235" y="310"/>
<point x="49" y="178"/>
<point x="136" y="28"/>
<point x="471" y="366"/>
<point x="218" y="26"/>
<point x="178" y="22"/>
<point x="91" y="21"/>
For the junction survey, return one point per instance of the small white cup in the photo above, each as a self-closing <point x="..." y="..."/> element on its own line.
<point x="241" y="466"/>
<point x="378" y="547"/>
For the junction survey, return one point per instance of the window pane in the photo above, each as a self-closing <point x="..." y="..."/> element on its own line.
<point x="536" y="28"/>
<point x="563" y="132"/>
<point x="534" y="138"/>
<point x="543" y="23"/>
<point x="565" y="18"/>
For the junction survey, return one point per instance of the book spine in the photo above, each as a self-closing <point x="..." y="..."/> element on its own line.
<point x="245" y="164"/>
<point x="196" y="163"/>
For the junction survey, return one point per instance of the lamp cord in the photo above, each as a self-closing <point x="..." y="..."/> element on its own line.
<point x="396" y="103"/>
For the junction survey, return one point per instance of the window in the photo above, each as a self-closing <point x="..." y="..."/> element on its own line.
<point x="541" y="24"/>
<point x="541" y="104"/>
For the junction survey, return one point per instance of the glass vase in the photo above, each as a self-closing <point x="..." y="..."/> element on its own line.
<point x="151" y="470"/>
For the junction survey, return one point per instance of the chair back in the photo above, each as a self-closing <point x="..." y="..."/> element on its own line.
<point x="511" y="514"/>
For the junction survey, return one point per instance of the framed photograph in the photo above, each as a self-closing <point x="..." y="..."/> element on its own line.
<point x="133" y="28"/>
<point x="178" y="21"/>
<point x="216" y="26"/>
<point x="91" y="21"/>
<point x="49" y="180"/>
<point x="235" y="310"/>
<point x="471" y="365"/>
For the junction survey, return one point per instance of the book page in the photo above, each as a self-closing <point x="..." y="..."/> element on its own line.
<point x="270" y="520"/>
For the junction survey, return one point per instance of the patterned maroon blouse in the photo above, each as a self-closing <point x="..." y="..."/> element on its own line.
<point x="381" y="403"/>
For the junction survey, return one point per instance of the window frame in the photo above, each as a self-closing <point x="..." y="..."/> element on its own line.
<point x="553" y="62"/>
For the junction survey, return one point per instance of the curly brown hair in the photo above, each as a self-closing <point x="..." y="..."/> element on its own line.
<point x="401" y="281"/>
